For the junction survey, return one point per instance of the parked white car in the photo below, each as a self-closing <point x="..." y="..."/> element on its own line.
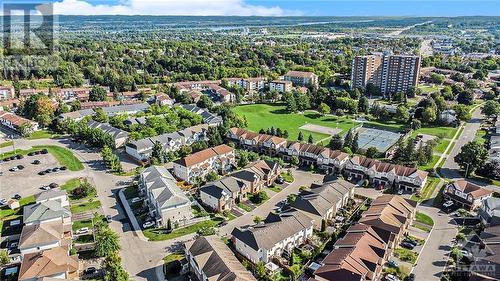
<point x="136" y="199"/>
<point x="390" y="277"/>
<point x="448" y="204"/>
<point x="82" y="230"/>
<point x="148" y="224"/>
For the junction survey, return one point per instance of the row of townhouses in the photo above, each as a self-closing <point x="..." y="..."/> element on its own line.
<point x="466" y="195"/>
<point x="220" y="159"/>
<point x="281" y="233"/>
<point x="46" y="239"/>
<point x="362" y="252"/>
<point x="17" y="123"/>
<point x="165" y="200"/>
<point x="141" y="149"/>
<point x="221" y="195"/>
<point x="208" y="117"/>
<point x="119" y="136"/>
<point x="331" y="161"/>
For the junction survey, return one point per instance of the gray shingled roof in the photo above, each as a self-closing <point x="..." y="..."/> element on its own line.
<point x="49" y="194"/>
<point x="108" y="129"/>
<point x="163" y="187"/>
<point x="44" y="211"/>
<point x="112" y="110"/>
<point x="274" y="229"/>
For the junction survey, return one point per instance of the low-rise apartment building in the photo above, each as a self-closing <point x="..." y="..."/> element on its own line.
<point x="73" y="93"/>
<point x="250" y="85"/>
<point x="321" y="202"/>
<point x="280" y="86"/>
<point x="197" y="165"/>
<point x="210" y="259"/>
<point x="141" y="149"/>
<point x="166" y="201"/>
<point x="466" y="194"/>
<point x="276" y="235"/>
<point x="302" y="78"/>
<point x="385" y="174"/>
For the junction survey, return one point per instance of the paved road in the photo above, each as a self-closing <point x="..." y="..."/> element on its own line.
<point x="434" y="255"/>
<point x="450" y="169"/>
<point x="301" y="178"/>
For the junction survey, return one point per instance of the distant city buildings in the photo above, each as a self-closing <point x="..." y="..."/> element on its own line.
<point x="388" y="73"/>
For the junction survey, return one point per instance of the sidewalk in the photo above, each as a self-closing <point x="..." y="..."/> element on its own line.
<point x="135" y="225"/>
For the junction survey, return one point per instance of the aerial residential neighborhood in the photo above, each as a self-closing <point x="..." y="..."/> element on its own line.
<point x="250" y="140"/>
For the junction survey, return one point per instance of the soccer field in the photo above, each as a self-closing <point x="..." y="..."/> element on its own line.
<point x="263" y="116"/>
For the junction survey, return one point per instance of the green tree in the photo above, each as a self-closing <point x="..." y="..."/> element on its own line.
<point x="324" y="108"/>
<point x="363" y="105"/>
<point x="354" y="145"/>
<point x="323" y="225"/>
<point x="211" y="176"/>
<point x="4" y="257"/>
<point x="100" y="116"/>
<point x="336" y="142"/>
<point x="113" y="268"/>
<point x="97" y="94"/>
<point x="371" y="152"/>
<point x="462" y="112"/>
<point x="294" y="161"/>
<point x="257" y="219"/>
<point x="310" y="139"/>
<point x="107" y="242"/>
<point x="301" y="136"/>
<point x="429" y="115"/>
<point x="491" y="108"/>
<point x="472" y="156"/>
<point x="260" y="270"/>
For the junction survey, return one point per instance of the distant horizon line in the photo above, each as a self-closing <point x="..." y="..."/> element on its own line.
<point x="253" y="16"/>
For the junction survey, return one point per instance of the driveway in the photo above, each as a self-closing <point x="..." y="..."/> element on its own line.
<point x="301" y="178"/>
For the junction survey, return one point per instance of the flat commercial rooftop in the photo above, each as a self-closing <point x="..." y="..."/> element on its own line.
<point x="380" y="139"/>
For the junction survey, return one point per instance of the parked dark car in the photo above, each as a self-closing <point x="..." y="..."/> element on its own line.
<point x="413" y="242"/>
<point x="36" y="162"/>
<point x="411" y="277"/>
<point x="48" y="171"/>
<point x="90" y="271"/>
<point x="19" y="156"/>
<point x="63" y="168"/>
<point x="407" y="245"/>
<point x="42" y="173"/>
<point x="31" y="153"/>
<point x="13" y="158"/>
<point x="37" y="152"/>
<point x="17" y="197"/>
<point x="53" y="185"/>
<point x="6" y="159"/>
<point x="20" y="167"/>
<point x="280" y="180"/>
<point x="44" y="151"/>
<point x="55" y="170"/>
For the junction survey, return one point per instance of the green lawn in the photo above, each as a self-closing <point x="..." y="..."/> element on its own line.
<point x="263" y="116"/>
<point x="423" y="218"/>
<point x="431" y="164"/>
<point x="85" y="207"/>
<point x="427" y="190"/>
<point x="406" y="255"/>
<point x="87" y="238"/>
<point x="6" y="214"/>
<point x="287" y="177"/>
<point x="244" y="207"/>
<point x="159" y="234"/>
<point x="275" y="188"/>
<point x="442" y="145"/>
<point x="86" y="223"/>
<point x="429" y="88"/>
<point x="43" y="134"/>
<point x="64" y="156"/>
<point x="481" y="136"/>
<point x="438" y="131"/>
<point x="176" y="256"/>
<point x="6" y="144"/>
<point x="71" y="184"/>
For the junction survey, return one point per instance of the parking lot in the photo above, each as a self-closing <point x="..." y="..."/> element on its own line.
<point x="27" y="181"/>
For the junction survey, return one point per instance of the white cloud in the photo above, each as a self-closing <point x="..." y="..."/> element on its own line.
<point x="169" y="7"/>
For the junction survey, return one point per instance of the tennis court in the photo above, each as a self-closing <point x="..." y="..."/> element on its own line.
<point x="380" y="139"/>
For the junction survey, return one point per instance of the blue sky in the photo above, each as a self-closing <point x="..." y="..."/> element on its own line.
<point x="283" y="7"/>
